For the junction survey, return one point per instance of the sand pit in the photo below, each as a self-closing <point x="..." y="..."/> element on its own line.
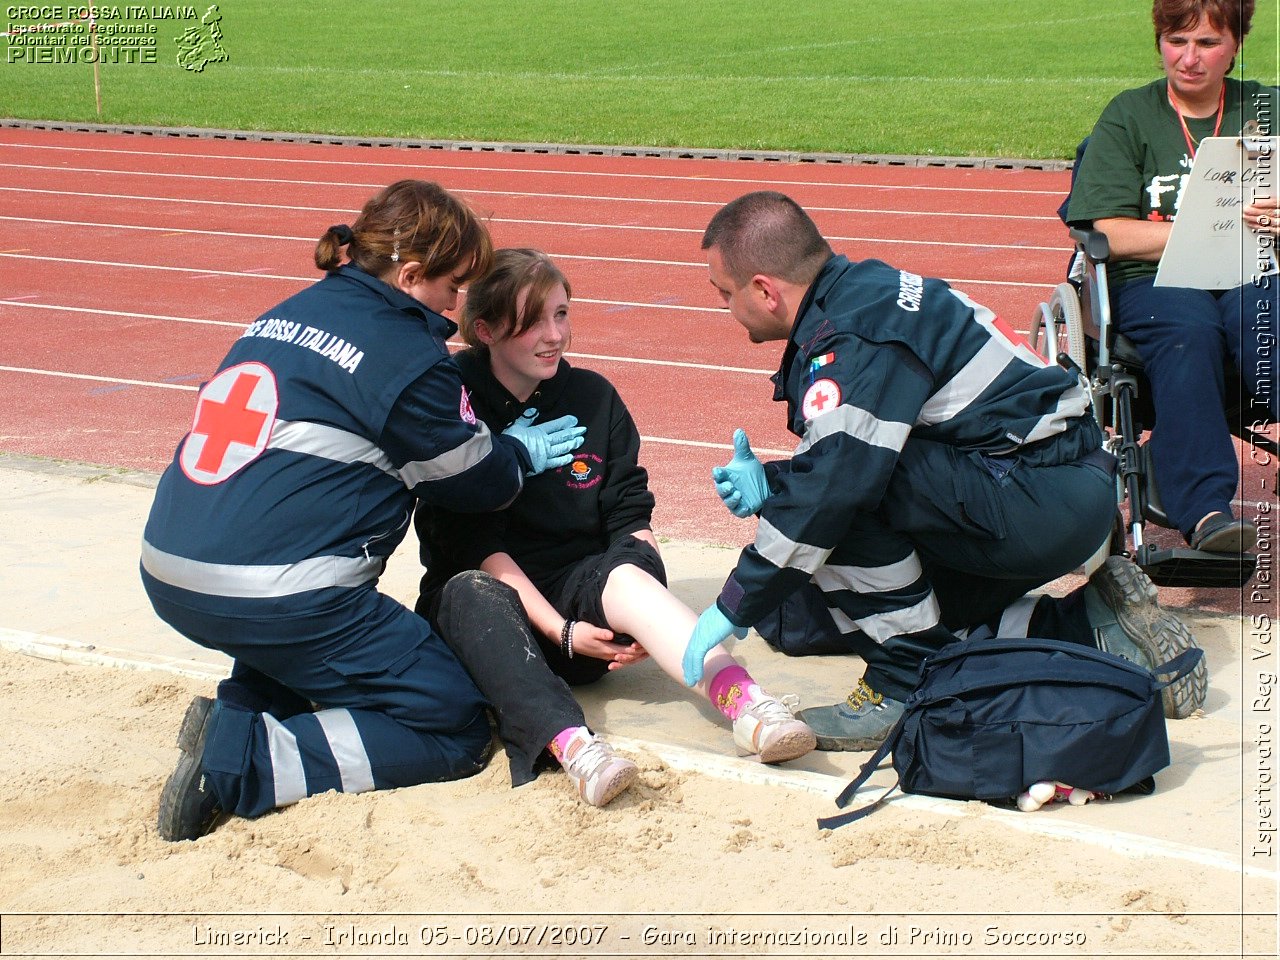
<point x="708" y="855"/>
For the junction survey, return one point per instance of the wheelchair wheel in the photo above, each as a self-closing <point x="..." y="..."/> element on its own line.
<point x="1041" y="335"/>
<point x="1059" y="327"/>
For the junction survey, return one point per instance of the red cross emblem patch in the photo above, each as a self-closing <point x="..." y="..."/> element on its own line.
<point x="822" y="397"/>
<point x="234" y="416"/>
<point x="467" y="414"/>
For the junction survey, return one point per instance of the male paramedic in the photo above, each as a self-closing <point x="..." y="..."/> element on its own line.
<point x="944" y="469"/>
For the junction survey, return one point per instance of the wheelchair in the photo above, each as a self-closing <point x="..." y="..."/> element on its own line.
<point x="1074" y="329"/>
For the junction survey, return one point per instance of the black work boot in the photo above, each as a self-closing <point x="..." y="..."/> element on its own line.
<point x="1120" y="601"/>
<point x="188" y="807"/>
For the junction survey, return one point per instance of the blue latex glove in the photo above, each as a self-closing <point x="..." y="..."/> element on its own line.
<point x="713" y="627"/>
<point x="741" y="482"/>
<point x="550" y="444"/>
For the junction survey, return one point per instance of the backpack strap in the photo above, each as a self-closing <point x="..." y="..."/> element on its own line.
<point x="868" y="768"/>
<point x="1179" y="666"/>
<point x="840" y="819"/>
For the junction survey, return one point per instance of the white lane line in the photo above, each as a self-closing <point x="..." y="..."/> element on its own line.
<point x="344" y="211"/>
<point x="456" y="344"/>
<point x="704" y="445"/>
<point x="200" y="273"/>
<point x="268" y="236"/>
<point x="559" y="256"/>
<point x="121" y="313"/>
<point x="716" y="204"/>
<point x="710" y="368"/>
<point x="411" y="163"/>
<point x="118" y="381"/>
<point x="577" y="224"/>
<point x="22" y="302"/>
<point x="863" y="211"/>
<point x="1125" y="844"/>
<point x="193" y="271"/>
<point x="835" y="238"/>
<point x="56" y="649"/>
<point x="660" y="363"/>
<point x="355" y="185"/>
<point x="261" y="274"/>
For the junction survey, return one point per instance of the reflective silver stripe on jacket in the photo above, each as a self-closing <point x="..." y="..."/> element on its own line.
<point x="452" y="462"/>
<point x="857" y="423"/>
<point x="782" y="551"/>
<point x="259" y="580"/>
<point x="1071" y="406"/>
<point x="318" y="440"/>
<point x="967" y="385"/>
<point x="891" y="576"/>
<point x="995" y="356"/>
<point x="342" y="446"/>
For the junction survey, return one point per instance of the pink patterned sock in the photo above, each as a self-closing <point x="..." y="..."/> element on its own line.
<point x="732" y="689"/>
<point x="561" y="742"/>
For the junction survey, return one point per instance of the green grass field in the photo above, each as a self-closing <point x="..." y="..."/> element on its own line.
<point x="1011" y="78"/>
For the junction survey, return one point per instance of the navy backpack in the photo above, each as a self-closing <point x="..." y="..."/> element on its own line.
<point x="991" y="717"/>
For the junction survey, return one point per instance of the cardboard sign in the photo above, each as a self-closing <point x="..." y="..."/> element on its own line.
<point x="1209" y="246"/>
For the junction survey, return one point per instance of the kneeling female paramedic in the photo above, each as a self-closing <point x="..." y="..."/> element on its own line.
<point x="330" y="416"/>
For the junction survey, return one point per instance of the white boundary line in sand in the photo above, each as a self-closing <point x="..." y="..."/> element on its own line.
<point x="679" y="758"/>
<point x="43" y="647"/>
<point x="1125" y="844"/>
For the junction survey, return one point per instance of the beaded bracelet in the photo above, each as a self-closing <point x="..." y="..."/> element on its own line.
<point x="566" y="638"/>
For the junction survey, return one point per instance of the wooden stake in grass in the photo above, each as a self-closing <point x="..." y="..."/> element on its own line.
<point x="93" y="43"/>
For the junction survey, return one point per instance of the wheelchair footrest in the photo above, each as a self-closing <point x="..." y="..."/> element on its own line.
<point x="1184" y="567"/>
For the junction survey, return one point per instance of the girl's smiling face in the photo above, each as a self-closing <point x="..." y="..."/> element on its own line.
<point x="523" y="360"/>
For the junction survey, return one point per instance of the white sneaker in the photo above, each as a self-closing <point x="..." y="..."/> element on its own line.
<point x="596" y="771"/>
<point x="766" y="729"/>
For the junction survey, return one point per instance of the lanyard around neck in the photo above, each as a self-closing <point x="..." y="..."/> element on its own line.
<point x="1191" y="142"/>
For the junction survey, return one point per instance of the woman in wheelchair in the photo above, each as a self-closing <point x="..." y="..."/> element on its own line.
<point x="1128" y="185"/>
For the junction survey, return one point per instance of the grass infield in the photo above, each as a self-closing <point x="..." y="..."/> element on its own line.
<point x="1007" y="78"/>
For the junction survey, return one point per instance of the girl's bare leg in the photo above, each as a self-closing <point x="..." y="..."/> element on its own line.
<point x="641" y="607"/>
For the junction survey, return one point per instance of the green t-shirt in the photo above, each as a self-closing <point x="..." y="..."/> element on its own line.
<point x="1137" y="162"/>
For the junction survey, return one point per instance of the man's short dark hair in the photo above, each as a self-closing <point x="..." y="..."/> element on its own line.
<point x="767" y="233"/>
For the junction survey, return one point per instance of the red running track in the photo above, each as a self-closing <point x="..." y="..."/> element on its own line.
<point x="130" y="265"/>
